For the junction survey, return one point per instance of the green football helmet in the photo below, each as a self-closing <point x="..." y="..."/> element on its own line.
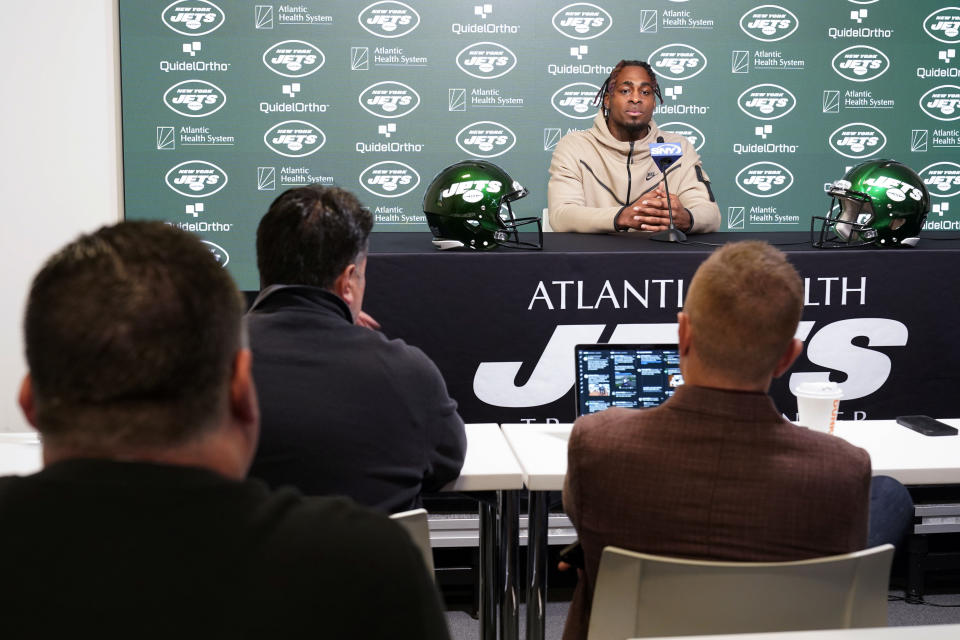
<point x="879" y="202"/>
<point x="468" y="206"/>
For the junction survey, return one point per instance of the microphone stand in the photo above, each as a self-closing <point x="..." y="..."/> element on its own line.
<point x="671" y="233"/>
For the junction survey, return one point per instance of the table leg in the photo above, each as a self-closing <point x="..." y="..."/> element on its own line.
<point x="488" y="570"/>
<point x="537" y="529"/>
<point x="507" y="547"/>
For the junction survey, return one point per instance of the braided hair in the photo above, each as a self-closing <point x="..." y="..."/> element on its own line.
<point x="611" y="81"/>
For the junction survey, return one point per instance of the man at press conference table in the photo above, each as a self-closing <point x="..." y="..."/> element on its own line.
<point x="604" y="179"/>
<point x="716" y="472"/>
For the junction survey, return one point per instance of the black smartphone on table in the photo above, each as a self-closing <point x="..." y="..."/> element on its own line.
<point x="926" y="425"/>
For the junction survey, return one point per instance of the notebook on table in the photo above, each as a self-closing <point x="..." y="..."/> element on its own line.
<point x="625" y="375"/>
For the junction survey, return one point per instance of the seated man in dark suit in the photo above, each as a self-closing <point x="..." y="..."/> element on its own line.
<point x="141" y="524"/>
<point x="345" y="410"/>
<point x="716" y="472"/>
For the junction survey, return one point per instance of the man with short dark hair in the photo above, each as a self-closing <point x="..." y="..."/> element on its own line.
<point x="716" y="471"/>
<point x="345" y="410"/>
<point x="603" y="179"/>
<point x="141" y="524"/>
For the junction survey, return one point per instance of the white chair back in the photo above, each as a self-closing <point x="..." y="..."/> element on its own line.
<point x="415" y="522"/>
<point x="641" y="595"/>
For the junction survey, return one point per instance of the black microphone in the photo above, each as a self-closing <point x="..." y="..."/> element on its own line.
<point x="665" y="155"/>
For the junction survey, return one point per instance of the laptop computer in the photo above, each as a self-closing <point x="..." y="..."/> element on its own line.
<point x="625" y="375"/>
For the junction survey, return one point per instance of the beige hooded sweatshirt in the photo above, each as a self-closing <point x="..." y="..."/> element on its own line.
<point x="593" y="176"/>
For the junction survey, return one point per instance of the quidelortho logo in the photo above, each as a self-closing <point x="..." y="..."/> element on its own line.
<point x="293" y="58"/>
<point x="857" y="140"/>
<point x="943" y="25"/>
<point x="688" y="131"/>
<point x="576" y="100"/>
<point x="486" y="139"/>
<point x="677" y="61"/>
<point x="768" y="23"/>
<point x="582" y="21"/>
<point x="942" y="103"/>
<point x="942" y="179"/>
<point x="194" y="98"/>
<point x="196" y="178"/>
<point x="764" y="179"/>
<point x="486" y="60"/>
<point x="860" y="63"/>
<point x="389" y="19"/>
<point x="219" y="253"/>
<point x="766" y="101"/>
<point x="294" y="138"/>
<point x="389" y="99"/>
<point x="193" y="17"/>
<point x="389" y="179"/>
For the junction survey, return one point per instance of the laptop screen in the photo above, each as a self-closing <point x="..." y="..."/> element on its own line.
<point x="625" y="375"/>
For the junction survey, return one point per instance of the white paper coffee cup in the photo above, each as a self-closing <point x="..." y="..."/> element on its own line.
<point x="817" y="404"/>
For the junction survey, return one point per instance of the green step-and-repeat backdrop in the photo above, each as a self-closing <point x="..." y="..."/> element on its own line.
<point x="226" y="103"/>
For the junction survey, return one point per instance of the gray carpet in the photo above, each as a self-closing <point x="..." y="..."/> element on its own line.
<point x="899" y="614"/>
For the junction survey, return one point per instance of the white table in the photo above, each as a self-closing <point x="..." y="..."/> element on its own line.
<point x="490" y="466"/>
<point x="20" y="453"/>
<point x="541" y="449"/>
<point x="927" y="632"/>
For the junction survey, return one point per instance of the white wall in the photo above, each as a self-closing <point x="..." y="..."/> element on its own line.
<point x="59" y="152"/>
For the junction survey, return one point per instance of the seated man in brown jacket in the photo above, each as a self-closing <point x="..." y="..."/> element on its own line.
<point x="716" y="471"/>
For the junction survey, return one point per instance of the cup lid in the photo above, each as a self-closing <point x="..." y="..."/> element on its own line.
<point x="819" y="390"/>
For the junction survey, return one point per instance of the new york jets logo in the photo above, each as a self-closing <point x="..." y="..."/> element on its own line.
<point x="942" y="179"/>
<point x="389" y="179"/>
<point x="768" y="23"/>
<point x="194" y="98"/>
<point x="389" y="19"/>
<point x="193" y="17"/>
<point x="857" y="140"/>
<point x="294" y="138"/>
<point x="764" y="179"/>
<point x="389" y="99"/>
<point x="677" y="61"/>
<point x="942" y="103"/>
<point x="486" y="139"/>
<point x="471" y="191"/>
<point x="860" y="63"/>
<point x="582" y="21"/>
<point x="943" y="25"/>
<point x="766" y="102"/>
<point x="486" y="60"/>
<point x="293" y="58"/>
<point x="196" y="178"/>
<point x="219" y="253"/>
<point x="688" y="131"/>
<point x="576" y="100"/>
<point x="896" y="190"/>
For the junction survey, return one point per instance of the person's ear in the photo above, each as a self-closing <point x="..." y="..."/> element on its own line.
<point x="243" y="395"/>
<point x="26" y="401"/>
<point x="344" y="285"/>
<point x="792" y="352"/>
<point x="683" y="333"/>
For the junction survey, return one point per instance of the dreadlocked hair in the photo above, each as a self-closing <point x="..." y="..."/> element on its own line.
<point x="611" y="80"/>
